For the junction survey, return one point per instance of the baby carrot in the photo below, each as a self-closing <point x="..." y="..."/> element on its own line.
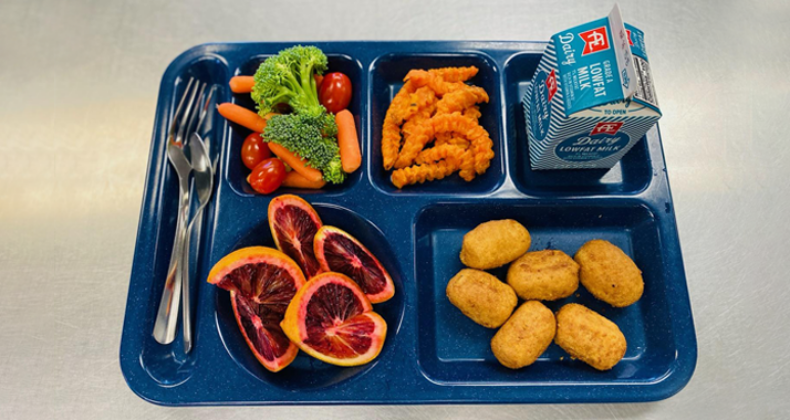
<point x="318" y="80"/>
<point x="242" y="116"/>
<point x="241" y="84"/>
<point x="295" y="180"/>
<point x="295" y="162"/>
<point x="350" y="156"/>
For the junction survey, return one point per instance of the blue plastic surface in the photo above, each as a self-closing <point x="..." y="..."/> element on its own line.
<point x="432" y="354"/>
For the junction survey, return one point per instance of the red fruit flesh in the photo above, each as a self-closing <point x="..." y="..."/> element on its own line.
<point x="294" y="228"/>
<point x="260" y="294"/>
<point x="339" y="252"/>
<point x="260" y="326"/>
<point x="336" y="323"/>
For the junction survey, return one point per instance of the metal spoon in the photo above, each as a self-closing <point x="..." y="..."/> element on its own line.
<point x="203" y="176"/>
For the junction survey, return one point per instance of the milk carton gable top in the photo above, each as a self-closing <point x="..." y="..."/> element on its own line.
<point x="587" y="64"/>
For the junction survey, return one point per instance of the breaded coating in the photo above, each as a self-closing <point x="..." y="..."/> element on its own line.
<point x="544" y="275"/>
<point x="482" y="297"/>
<point x="494" y="244"/>
<point x="525" y="336"/>
<point x="589" y="337"/>
<point x="609" y="274"/>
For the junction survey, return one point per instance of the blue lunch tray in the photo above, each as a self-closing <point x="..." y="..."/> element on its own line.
<point x="432" y="354"/>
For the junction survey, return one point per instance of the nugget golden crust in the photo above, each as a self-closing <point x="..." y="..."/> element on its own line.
<point x="525" y="336"/>
<point x="589" y="337"/>
<point x="609" y="274"/>
<point x="544" y="275"/>
<point x="481" y="297"/>
<point x="494" y="244"/>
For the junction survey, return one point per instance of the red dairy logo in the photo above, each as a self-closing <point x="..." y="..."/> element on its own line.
<point x="595" y="40"/>
<point x="610" y="128"/>
<point x="551" y="84"/>
<point x="630" y="41"/>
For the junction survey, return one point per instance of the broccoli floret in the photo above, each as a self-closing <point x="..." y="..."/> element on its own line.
<point x="287" y="78"/>
<point x="308" y="136"/>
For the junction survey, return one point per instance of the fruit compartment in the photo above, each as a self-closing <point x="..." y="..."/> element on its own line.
<point x="306" y="372"/>
<point x="168" y="365"/>
<point x="235" y="171"/>
<point x="629" y="176"/>
<point x="386" y="76"/>
<point x="453" y="350"/>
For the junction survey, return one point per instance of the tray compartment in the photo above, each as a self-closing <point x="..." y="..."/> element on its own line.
<point x="168" y="365"/>
<point x="386" y="75"/>
<point x="236" y="173"/>
<point x="629" y="176"/>
<point x="454" y="350"/>
<point x="307" y="372"/>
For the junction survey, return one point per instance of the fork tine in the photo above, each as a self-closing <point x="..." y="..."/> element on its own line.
<point x="185" y="117"/>
<point x="172" y="131"/>
<point x="204" y="110"/>
<point x="194" y="113"/>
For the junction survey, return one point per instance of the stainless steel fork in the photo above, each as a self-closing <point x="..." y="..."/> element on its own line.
<point x="167" y="315"/>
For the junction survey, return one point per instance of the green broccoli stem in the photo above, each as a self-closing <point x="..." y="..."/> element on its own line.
<point x="308" y="83"/>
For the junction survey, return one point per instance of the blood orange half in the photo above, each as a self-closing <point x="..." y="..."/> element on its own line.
<point x="340" y="252"/>
<point x="294" y="223"/>
<point x="262" y="282"/>
<point x="331" y="319"/>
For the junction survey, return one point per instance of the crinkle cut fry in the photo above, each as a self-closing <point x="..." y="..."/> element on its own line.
<point x="412" y="129"/>
<point x="455" y="74"/>
<point x="421" y="173"/>
<point x="436" y="83"/>
<point x="472" y="112"/>
<point x="451" y="139"/>
<point x="423" y="134"/>
<point x="390" y="132"/>
<point x="437" y="153"/>
<point x="461" y="99"/>
<point x="425" y="105"/>
<point x="419" y="100"/>
<point x="481" y="146"/>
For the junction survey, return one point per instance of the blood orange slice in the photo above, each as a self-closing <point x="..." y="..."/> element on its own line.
<point x="294" y="223"/>
<point x="340" y="252"/>
<point x="331" y="319"/>
<point x="262" y="281"/>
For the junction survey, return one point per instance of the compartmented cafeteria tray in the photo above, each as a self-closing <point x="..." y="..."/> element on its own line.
<point x="432" y="353"/>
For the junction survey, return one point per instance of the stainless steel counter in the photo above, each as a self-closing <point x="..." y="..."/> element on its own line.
<point x="78" y="90"/>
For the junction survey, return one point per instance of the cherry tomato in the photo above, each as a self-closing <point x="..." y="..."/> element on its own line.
<point x="335" y="92"/>
<point x="267" y="176"/>
<point x="254" y="150"/>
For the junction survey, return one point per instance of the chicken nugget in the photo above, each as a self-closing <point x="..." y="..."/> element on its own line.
<point x="544" y="275"/>
<point x="525" y="336"/>
<point x="589" y="337"/>
<point x="494" y="244"/>
<point x="482" y="297"/>
<point x="609" y="274"/>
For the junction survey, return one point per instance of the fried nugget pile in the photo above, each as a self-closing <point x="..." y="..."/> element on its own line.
<point x="436" y="106"/>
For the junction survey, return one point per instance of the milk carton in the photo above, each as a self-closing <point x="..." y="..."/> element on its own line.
<point x="591" y="98"/>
